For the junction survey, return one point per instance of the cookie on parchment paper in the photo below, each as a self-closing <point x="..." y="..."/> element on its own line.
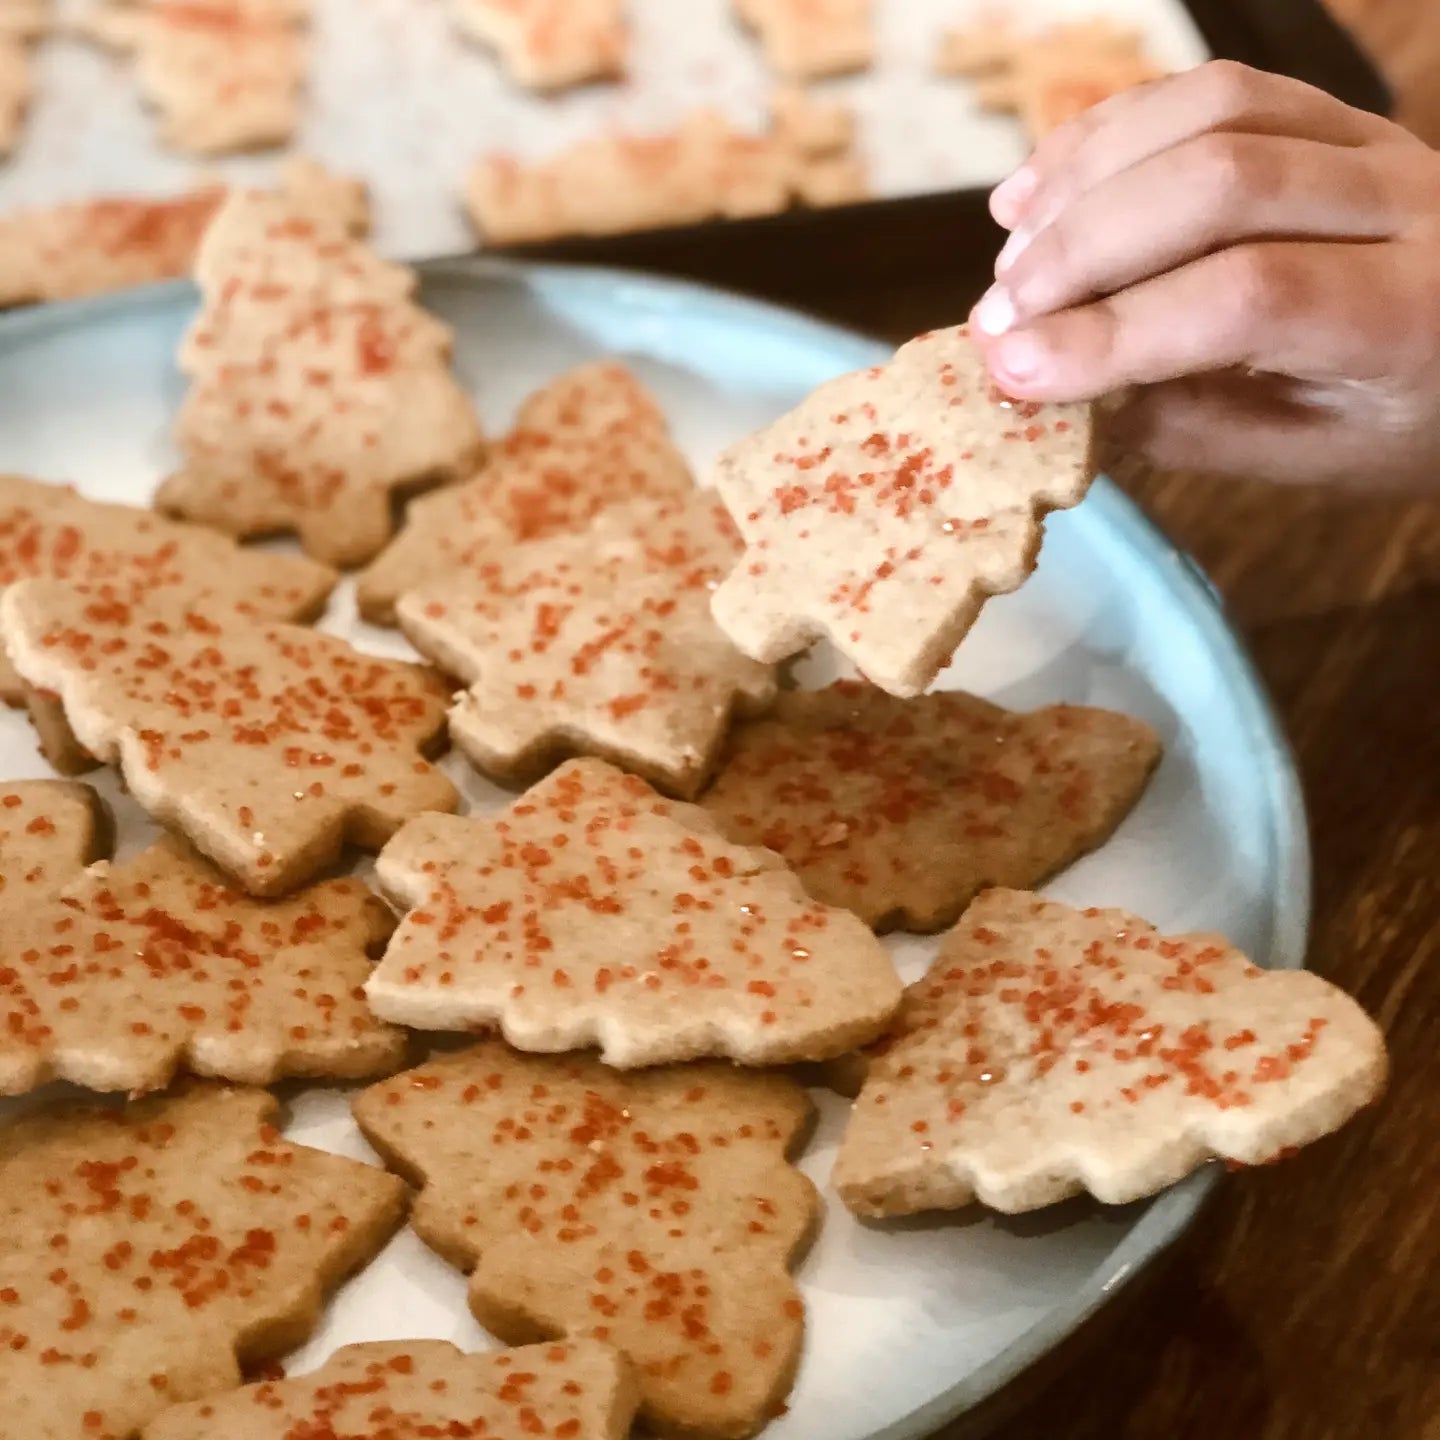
<point x="222" y="75"/>
<point x="49" y="831"/>
<point x="62" y="252"/>
<point x="17" y="88"/>
<point x="803" y="39"/>
<point x="147" y="1254"/>
<point x="593" y="912"/>
<point x="420" y="1388"/>
<point x="702" y="169"/>
<point x="598" y="642"/>
<point x="134" y="971"/>
<point x="903" y="810"/>
<point x="267" y="745"/>
<point x="1048" y="76"/>
<point x="320" y="391"/>
<point x="656" y="1211"/>
<point x="1052" y="1050"/>
<point x="550" y="44"/>
<point x="888" y="506"/>
<point x="594" y="437"/>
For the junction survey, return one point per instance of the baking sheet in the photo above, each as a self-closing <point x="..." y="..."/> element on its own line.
<point x="398" y="97"/>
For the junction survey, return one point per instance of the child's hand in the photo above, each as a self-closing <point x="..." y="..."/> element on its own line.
<point x="1265" y="260"/>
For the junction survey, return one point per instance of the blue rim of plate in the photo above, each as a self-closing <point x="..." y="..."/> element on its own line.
<point x="684" y="304"/>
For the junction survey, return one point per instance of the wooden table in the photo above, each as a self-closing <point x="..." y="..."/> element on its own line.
<point x="1305" y="1305"/>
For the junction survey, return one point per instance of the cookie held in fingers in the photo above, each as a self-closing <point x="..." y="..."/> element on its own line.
<point x="49" y="831"/>
<point x="550" y="44"/>
<point x="887" y="507"/>
<point x="654" y="1211"/>
<point x="416" y="1388"/>
<point x="268" y="746"/>
<point x="595" y="912"/>
<point x="598" y="642"/>
<point x="903" y="810"/>
<point x="136" y="970"/>
<point x="1052" y="1050"/>
<point x="321" y="393"/>
<point x="592" y="438"/>
<point x="148" y="1254"/>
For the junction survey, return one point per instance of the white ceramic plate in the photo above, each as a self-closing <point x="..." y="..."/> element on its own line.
<point x="909" y="1324"/>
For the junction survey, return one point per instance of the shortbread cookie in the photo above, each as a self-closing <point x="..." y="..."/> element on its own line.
<point x="702" y="170"/>
<point x="132" y="972"/>
<point x="832" y="180"/>
<point x="405" y="1390"/>
<point x="807" y="38"/>
<point x="62" y="252"/>
<point x="16" y="90"/>
<point x="594" y="912"/>
<point x="1050" y="76"/>
<point x="1051" y="89"/>
<point x="49" y="831"/>
<point x="222" y="75"/>
<point x="597" y="643"/>
<point x="654" y="1211"/>
<point x="267" y="745"/>
<point x="550" y="44"/>
<point x="50" y="531"/>
<point x="592" y="438"/>
<point x="885" y="509"/>
<point x="146" y="1254"/>
<point x="24" y="19"/>
<point x="808" y="125"/>
<point x="321" y="391"/>
<point x="902" y="810"/>
<point x="1051" y="1050"/>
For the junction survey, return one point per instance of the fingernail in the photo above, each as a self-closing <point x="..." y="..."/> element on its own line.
<point x="1010" y="251"/>
<point x="1020" y="357"/>
<point x="995" y="313"/>
<point x="1011" y="196"/>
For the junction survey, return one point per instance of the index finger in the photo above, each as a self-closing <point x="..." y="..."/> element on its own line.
<point x="1136" y="124"/>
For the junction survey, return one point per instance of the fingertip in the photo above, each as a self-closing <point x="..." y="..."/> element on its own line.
<point x="1021" y="363"/>
<point x="1009" y="198"/>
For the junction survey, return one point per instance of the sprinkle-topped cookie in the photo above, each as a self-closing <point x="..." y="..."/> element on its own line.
<point x="147" y="1253"/>
<point x="321" y="392"/>
<point x="902" y="810"/>
<point x="62" y="252"/>
<point x="594" y="912"/>
<point x="550" y="44"/>
<point x="803" y="39"/>
<point x="133" y="971"/>
<point x="598" y="642"/>
<point x="49" y="531"/>
<point x="702" y="169"/>
<point x="1051" y="1050"/>
<point x="223" y="75"/>
<point x="267" y="745"/>
<point x="655" y="1211"/>
<point x="592" y="438"/>
<point x="885" y="509"/>
<point x="420" y="1389"/>
<point x="49" y="831"/>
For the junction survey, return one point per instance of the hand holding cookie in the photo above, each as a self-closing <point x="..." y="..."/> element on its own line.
<point x="1262" y="258"/>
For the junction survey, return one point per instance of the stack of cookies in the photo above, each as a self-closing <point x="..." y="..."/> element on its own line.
<point x="681" y="902"/>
